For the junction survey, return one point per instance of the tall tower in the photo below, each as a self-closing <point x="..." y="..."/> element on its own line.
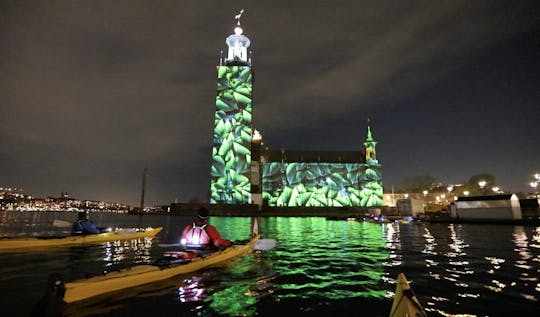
<point x="231" y="150"/>
<point x="372" y="191"/>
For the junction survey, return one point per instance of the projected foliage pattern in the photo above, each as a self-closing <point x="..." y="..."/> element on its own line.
<point x="231" y="151"/>
<point x="321" y="184"/>
<point x="373" y="188"/>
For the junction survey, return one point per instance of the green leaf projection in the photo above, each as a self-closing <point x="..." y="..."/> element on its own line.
<point x="295" y="184"/>
<point x="231" y="151"/>
<point x="372" y="192"/>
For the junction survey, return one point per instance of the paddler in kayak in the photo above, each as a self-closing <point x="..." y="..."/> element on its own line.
<point x="83" y="226"/>
<point x="200" y="235"/>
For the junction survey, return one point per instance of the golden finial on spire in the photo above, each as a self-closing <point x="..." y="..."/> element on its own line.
<point x="238" y="16"/>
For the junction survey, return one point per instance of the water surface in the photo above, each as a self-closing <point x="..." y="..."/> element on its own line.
<point x="318" y="268"/>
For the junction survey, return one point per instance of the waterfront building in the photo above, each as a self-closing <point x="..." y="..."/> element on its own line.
<point x="322" y="178"/>
<point x="243" y="172"/>
<point x="492" y="207"/>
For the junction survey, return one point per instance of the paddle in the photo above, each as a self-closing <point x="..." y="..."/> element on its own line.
<point x="62" y="223"/>
<point x="260" y="245"/>
<point x="264" y="244"/>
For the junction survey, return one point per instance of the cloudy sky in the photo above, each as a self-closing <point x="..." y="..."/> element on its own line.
<point x="92" y="92"/>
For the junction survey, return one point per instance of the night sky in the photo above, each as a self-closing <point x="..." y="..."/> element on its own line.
<point x="92" y="92"/>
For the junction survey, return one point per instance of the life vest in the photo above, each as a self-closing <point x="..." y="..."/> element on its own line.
<point x="197" y="238"/>
<point x="84" y="227"/>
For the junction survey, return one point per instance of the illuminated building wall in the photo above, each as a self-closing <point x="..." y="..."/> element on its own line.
<point x="231" y="150"/>
<point x="243" y="173"/>
<point x="322" y="179"/>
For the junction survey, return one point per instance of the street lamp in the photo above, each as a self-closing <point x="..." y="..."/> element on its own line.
<point x="495" y="189"/>
<point x="482" y="184"/>
<point x="534" y="185"/>
<point x="466" y="193"/>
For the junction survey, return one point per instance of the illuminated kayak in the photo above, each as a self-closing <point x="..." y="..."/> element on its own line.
<point x="405" y="302"/>
<point x="145" y="274"/>
<point x="25" y="244"/>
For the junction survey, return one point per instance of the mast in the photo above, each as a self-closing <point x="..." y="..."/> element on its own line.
<point x="143" y="188"/>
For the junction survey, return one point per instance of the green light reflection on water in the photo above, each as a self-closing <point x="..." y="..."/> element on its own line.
<point x="314" y="259"/>
<point x="232" y="301"/>
<point x="329" y="259"/>
<point x="233" y="296"/>
<point x="232" y="228"/>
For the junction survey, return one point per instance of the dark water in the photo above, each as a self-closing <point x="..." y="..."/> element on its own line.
<point x="318" y="268"/>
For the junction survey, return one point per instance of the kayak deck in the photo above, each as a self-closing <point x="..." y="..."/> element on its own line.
<point x="145" y="274"/>
<point x="11" y="245"/>
<point x="405" y="302"/>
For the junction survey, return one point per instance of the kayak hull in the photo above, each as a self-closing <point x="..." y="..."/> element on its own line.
<point x="26" y="244"/>
<point x="145" y="274"/>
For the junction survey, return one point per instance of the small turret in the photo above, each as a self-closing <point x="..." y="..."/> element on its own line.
<point x="369" y="145"/>
<point x="238" y="45"/>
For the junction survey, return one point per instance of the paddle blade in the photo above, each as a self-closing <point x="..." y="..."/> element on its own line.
<point x="264" y="244"/>
<point x="255" y="229"/>
<point x="62" y="223"/>
<point x="167" y="245"/>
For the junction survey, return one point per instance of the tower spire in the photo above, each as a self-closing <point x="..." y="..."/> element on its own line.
<point x="238" y="16"/>
<point x="370" y="145"/>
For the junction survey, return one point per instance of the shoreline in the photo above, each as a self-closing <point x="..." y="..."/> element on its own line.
<point x="358" y="214"/>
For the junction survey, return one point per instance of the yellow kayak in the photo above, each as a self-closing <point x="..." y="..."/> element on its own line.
<point x="405" y="302"/>
<point x="26" y="244"/>
<point x="145" y="274"/>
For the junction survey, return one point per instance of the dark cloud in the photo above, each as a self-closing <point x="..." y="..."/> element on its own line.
<point x="93" y="92"/>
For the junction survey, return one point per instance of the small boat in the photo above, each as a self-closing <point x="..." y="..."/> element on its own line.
<point x="145" y="274"/>
<point x="405" y="302"/>
<point x="29" y="244"/>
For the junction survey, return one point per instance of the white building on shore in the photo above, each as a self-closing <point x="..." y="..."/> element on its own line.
<point x="493" y="207"/>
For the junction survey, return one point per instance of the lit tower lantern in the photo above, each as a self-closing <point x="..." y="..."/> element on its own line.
<point x="232" y="139"/>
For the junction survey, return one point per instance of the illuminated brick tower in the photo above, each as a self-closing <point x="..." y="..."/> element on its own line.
<point x="232" y="139"/>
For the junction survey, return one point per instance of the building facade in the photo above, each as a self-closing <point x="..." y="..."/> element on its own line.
<point x="232" y="138"/>
<point x="243" y="172"/>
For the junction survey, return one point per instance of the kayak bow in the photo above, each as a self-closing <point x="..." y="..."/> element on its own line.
<point x="405" y="302"/>
<point x="25" y="244"/>
<point x="145" y="274"/>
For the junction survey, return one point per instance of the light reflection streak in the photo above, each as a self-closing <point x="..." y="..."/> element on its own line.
<point x="136" y="251"/>
<point x="192" y="290"/>
<point x="430" y="245"/>
<point x="536" y="241"/>
<point x="456" y="275"/>
<point x="522" y="248"/>
<point x="393" y="244"/>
